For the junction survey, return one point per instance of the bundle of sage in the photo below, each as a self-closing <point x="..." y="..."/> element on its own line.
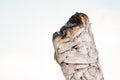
<point x="75" y="50"/>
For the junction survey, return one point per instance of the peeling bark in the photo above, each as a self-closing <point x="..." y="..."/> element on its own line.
<point x="75" y="50"/>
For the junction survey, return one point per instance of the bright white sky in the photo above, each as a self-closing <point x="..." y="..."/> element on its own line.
<point x="26" y="28"/>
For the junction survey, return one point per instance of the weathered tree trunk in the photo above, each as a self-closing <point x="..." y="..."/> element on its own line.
<point x="75" y="50"/>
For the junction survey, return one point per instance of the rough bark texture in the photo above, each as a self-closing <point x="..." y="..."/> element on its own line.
<point x="75" y="50"/>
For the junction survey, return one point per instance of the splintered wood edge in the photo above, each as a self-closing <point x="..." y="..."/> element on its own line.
<point x="80" y="19"/>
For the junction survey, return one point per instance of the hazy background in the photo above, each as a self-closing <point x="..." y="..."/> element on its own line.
<point x="26" y="28"/>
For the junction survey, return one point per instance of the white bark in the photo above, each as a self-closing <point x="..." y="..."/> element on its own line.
<point x="75" y="50"/>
